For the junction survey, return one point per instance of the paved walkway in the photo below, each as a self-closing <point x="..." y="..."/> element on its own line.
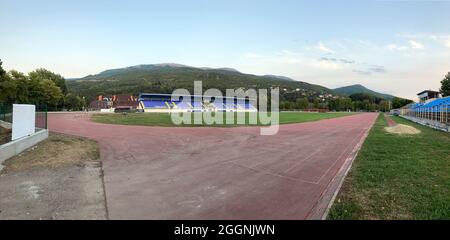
<point x="221" y="173"/>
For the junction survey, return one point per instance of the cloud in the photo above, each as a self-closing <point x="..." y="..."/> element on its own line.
<point x="372" y="69"/>
<point x="412" y="45"/>
<point x="341" y="63"/>
<point x="416" y="45"/>
<point x="443" y="39"/>
<point x="323" y="48"/>
<point x="395" y="47"/>
<point x="287" y="52"/>
<point x="362" y="72"/>
<point x="377" y="69"/>
<point x="325" y="65"/>
<point x="340" y="60"/>
<point x="346" y="61"/>
<point x="328" y="59"/>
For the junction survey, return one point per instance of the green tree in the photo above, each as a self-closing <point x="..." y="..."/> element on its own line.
<point x="302" y="103"/>
<point x="51" y="94"/>
<point x="22" y="86"/>
<point x="384" y="106"/>
<point x="316" y="103"/>
<point x="42" y="74"/>
<point x="7" y="87"/>
<point x="2" y="71"/>
<point x="73" y="102"/>
<point x="282" y="105"/>
<point x="400" y="102"/>
<point x="340" y="104"/>
<point x="366" y="105"/>
<point x="344" y="104"/>
<point x="40" y="87"/>
<point x="445" y="85"/>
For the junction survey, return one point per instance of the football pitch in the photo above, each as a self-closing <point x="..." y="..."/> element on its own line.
<point x="164" y="119"/>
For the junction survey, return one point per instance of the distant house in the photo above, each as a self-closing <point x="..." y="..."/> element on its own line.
<point x="124" y="102"/>
<point x="427" y="95"/>
<point x="114" y="102"/>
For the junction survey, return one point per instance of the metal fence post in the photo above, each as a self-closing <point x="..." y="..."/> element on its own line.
<point x="46" y="117"/>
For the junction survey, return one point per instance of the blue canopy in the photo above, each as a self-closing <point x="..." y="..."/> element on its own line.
<point x="438" y="105"/>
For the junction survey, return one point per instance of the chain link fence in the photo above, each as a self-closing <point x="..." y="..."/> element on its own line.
<point x="41" y="117"/>
<point x="6" y="113"/>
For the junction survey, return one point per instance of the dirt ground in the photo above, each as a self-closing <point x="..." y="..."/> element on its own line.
<point x="402" y="129"/>
<point x="5" y="135"/>
<point x="60" y="178"/>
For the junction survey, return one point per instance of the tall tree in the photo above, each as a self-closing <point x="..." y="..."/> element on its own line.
<point x="400" y="102"/>
<point x="21" y="86"/>
<point x="2" y="71"/>
<point x="51" y="94"/>
<point x="73" y="102"/>
<point x="384" y="106"/>
<point x="7" y="87"/>
<point x="445" y="85"/>
<point x="316" y="103"/>
<point x="302" y="103"/>
<point x="42" y="74"/>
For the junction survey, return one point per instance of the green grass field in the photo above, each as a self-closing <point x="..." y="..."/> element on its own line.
<point x="398" y="176"/>
<point x="164" y="119"/>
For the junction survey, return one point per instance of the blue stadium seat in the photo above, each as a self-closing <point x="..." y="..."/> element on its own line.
<point x="230" y="106"/>
<point x="154" y="104"/>
<point x="183" y="105"/>
<point x="249" y="106"/>
<point x="437" y="105"/>
<point x="219" y="106"/>
<point x="197" y="105"/>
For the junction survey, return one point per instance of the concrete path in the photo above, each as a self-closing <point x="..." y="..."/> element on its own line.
<point x="221" y="173"/>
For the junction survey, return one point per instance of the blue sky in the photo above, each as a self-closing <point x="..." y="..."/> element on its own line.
<point x="398" y="47"/>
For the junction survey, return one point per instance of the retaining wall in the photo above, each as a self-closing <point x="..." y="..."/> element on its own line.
<point x="15" y="147"/>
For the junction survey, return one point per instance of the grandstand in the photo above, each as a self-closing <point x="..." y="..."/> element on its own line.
<point x="155" y="102"/>
<point x="434" y="112"/>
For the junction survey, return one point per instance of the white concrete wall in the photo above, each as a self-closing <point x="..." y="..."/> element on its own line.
<point x="23" y="122"/>
<point x="109" y="110"/>
<point x="13" y="148"/>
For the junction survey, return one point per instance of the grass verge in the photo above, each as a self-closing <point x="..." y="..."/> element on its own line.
<point x="57" y="151"/>
<point x="164" y="119"/>
<point x="398" y="176"/>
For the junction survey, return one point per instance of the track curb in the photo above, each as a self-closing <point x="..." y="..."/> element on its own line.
<point x="323" y="206"/>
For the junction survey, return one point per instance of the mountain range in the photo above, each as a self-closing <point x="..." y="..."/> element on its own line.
<point x="358" y="88"/>
<point x="166" y="77"/>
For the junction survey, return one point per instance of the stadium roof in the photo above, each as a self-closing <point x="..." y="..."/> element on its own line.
<point x="186" y="95"/>
<point x="431" y="91"/>
<point x="438" y="102"/>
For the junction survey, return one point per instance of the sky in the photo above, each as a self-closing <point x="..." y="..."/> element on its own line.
<point x="399" y="47"/>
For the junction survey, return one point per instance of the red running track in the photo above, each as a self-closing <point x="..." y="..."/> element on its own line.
<point x="221" y="173"/>
<point x="389" y="121"/>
